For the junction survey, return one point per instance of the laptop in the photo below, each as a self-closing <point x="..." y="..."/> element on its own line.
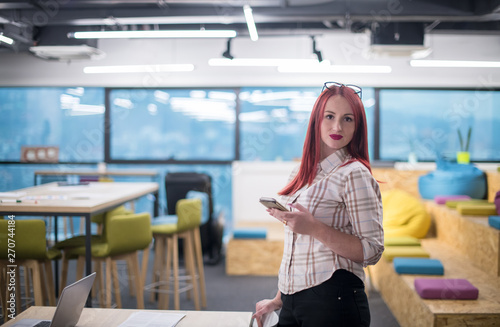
<point x="69" y="307"/>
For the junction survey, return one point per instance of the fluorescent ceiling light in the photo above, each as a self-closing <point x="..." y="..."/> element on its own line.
<point x="359" y="69"/>
<point x="6" y="39"/>
<point x="153" y="34"/>
<point x="138" y="69"/>
<point x="264" y="62"/>
<point x="455" y="63"/>
<point x="299" y="65"/>
<point x="252" y="29"/>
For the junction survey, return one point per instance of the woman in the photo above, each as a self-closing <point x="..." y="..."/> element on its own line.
<point x="334" y="228"/>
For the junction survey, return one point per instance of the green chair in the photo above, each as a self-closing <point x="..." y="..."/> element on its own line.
<point x="79" y="241"/>
<point x="123" y="237"/>
<point x="98" y="219"/>
<point x="27" y="241"/>
<point x="166" y="236"/>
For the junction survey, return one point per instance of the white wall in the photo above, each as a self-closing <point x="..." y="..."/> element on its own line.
<point x="17" y="69"/>
<point x="251" y="181"/>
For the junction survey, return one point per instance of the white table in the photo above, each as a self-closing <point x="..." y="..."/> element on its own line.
<point x="79" y="200"/>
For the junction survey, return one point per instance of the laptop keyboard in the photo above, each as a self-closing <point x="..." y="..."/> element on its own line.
<point x="43" y="323"/>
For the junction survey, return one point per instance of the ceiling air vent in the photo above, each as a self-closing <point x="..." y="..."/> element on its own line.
<point x="53" y="44"/>
<point x="399" y="39"/>
<point x="67" y="52"/>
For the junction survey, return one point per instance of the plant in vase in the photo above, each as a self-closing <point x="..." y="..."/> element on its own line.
<point x="463" y="156"/>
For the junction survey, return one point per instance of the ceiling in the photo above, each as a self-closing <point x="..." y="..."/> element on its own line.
<point x="39" y="22"/>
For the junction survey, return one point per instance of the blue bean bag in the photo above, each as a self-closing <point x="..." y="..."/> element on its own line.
<point x="453" y="179"/>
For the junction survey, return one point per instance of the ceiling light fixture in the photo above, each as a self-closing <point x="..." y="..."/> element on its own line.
<point x="455" y="63"/>
<point x="227" y="53"/>
<point x="252" y="29"/>
<point x="355" y="69"/>
<point x="138" y="69"/>
<point x="264" y="62"/>
<point x="152" y="34"/>
<point x="6" y="39"/>
<point x="315" y="51"/>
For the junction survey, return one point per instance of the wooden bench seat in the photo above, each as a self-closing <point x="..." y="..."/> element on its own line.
<point x="470" y="235"/>
<point x="410" y="310"/>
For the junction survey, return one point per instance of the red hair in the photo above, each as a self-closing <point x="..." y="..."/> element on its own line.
<point x="357" y="148"/>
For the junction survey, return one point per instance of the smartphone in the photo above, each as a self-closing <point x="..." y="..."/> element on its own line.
<point x="272" y="203"/>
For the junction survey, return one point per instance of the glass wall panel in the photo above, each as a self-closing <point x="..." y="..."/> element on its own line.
<point x="426" y="122"/>
<point x="70" y="118"/>
<point x="273" y="121"/>
<point x="180" y="124"/>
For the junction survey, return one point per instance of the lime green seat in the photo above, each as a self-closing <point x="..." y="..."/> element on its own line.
<point x="453" y="204"/>
<point x="411" y="251"/>
<point x="189" y="214"/>
<point x="28" y="245"/>
<point x="79" y="241"/>
<point x="401" y="241"/>
<point x="123" y="237"/>
<point x="98" y="219"/>
<point x="477" y="209"/>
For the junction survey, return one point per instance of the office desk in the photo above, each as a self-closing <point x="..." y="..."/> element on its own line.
<point x="78" y="200"/>
<point x="95" y="317"/>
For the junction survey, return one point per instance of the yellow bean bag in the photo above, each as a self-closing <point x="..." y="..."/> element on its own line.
<point x="404" y="215"/>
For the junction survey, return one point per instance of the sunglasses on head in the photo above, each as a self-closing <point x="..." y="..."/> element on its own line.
<point x="331" y="85"/>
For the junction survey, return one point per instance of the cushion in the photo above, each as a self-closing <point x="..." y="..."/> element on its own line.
<point x="392" y="252"/>
<point x="497" y="202"/>
<point x="250" y="233"/>
<point x="476" y="209"/>
<point x="401" y="240"/>
<point x="443" y="288"/>
<point x="441" y="199"/>
<point x="452" y="204"/>
<point x="404" y="215"/>
<point x="494" y="221"/>
<point x="453" y="179"/>
<point x="418" y="266"/>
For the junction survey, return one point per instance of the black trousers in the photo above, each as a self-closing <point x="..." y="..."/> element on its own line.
<point x="340" y="301"/>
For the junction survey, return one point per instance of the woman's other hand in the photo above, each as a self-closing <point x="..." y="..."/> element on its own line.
<point x="266" y="306"/>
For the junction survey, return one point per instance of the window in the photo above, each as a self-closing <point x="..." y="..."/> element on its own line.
<point x="70" y="118"/>
<point x="426" y="123"/>
<point x="273" y="121"/>
<point x="178" y="124"/>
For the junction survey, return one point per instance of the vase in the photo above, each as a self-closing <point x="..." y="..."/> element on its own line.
<point x="463" y="157"/>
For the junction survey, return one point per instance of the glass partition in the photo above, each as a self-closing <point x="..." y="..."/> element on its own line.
<point x="71" y="118"/>
<point x="178" y="124"/>
<point x="273" y="121"/>
<point x="427" y="123"/>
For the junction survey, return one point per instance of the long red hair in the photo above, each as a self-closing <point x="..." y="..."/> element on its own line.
<point x="357" y="148"/>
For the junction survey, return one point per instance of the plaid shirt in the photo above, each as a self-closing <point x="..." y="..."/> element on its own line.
<point x="346" y="198"/>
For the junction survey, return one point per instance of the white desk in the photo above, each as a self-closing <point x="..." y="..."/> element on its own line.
<point x="95" y="317"/>
<point x="81" y="200"/>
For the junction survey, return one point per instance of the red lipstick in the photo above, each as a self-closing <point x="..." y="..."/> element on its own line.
<point x="336" y="137"/>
